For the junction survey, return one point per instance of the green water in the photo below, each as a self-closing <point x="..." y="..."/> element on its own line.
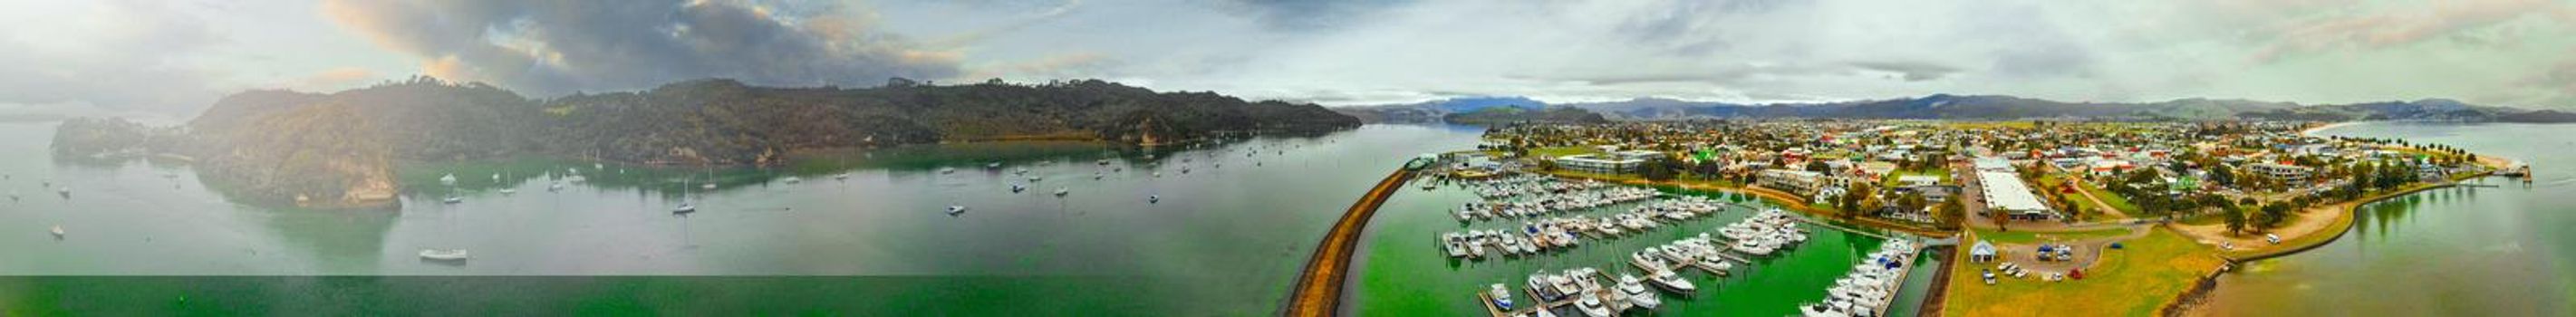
<point x="2503" y="251"/>
<point x="1407" y="274"/>
<point x="1223" y="241"/>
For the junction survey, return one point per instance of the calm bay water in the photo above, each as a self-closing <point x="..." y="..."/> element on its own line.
<point x="2502" y="251"/>
<point x="1226" y="238"/>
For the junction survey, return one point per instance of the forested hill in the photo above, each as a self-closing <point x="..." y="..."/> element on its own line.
<point x="341" y="143"/>
<point x="718" y="121"/>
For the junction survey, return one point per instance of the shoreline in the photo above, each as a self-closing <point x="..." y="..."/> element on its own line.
<point x="2340" y="225"/>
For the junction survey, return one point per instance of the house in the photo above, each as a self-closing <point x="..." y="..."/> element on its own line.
<point x="1794" y="181"/>
<point x="2284" y="172"/>
<point x="1918" y="180"/>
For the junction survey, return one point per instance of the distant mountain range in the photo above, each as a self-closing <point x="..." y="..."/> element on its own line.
<point x="1995" y="107"/>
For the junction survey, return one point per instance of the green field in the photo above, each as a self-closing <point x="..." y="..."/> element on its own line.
<point x="2135" y="281"/>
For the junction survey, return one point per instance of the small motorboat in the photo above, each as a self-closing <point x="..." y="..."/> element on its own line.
<point x="444" y="255"/>
<point x="58" y="232"/>
<point x="509" y="190"/>
<point x="1151" y="199"/>
<point x="841" y="176"/>
<point x="956" y="209"/>
<point x="1060" y="191"/>
<point x="555" y="186"/>
<point x="1018" y="188"/>
<point x="684" y="208"/>
<point x="707" y="186"/>
<point x="947" y="170"/>
<point x="793" y="180"/>
<point x="452" y="200"/>
<point x="449" y="179"/>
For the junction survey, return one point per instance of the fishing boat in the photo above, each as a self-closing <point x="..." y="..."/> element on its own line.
<point x="956" y="209"/>
<point x="684" y="208"/>
<point x="443" y="254"/>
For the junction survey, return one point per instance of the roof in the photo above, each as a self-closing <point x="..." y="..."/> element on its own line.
<point x="2005" y="191"/>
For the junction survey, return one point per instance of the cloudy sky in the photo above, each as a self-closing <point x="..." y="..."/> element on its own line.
<point x="176" y="56"/>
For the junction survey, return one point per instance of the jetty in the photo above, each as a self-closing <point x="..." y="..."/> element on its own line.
<point x="1319" y="285"/>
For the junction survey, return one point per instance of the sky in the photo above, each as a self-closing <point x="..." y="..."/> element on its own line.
<point x="178" y="56"/>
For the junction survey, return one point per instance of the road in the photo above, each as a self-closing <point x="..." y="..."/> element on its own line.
<point x="1319" y="286"/>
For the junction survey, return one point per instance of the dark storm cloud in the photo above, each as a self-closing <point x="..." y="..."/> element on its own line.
<point x="551" y="47"/>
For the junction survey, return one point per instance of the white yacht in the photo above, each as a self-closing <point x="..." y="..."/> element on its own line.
<point x="1635" y="291"/>
<point x="1502" y="296"/>
<point x="443" y="254"/>
<point x="1671" y="282"/>
<point x="1591" y="306"/>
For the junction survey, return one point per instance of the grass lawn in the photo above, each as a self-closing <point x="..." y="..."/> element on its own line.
<point x="1553" y="152"/>
<point x="1942" y="172"/>
<point x="1604" y="177"/>
<point x="2029" y="237"/>
<point x="2134" y="281"/>
<point x="2113" y="199"/>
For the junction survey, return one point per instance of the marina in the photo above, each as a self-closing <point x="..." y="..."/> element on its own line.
<point x="1702" y="270"/>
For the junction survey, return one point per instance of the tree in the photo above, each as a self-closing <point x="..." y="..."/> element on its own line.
<point x="1656" y="170"/>
<point x="2235" y="219"/>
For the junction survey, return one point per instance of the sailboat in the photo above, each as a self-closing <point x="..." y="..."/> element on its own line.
<point x="684" y="208"/>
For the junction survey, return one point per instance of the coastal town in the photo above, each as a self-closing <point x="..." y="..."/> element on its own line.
<point x="2012" y="217"/>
